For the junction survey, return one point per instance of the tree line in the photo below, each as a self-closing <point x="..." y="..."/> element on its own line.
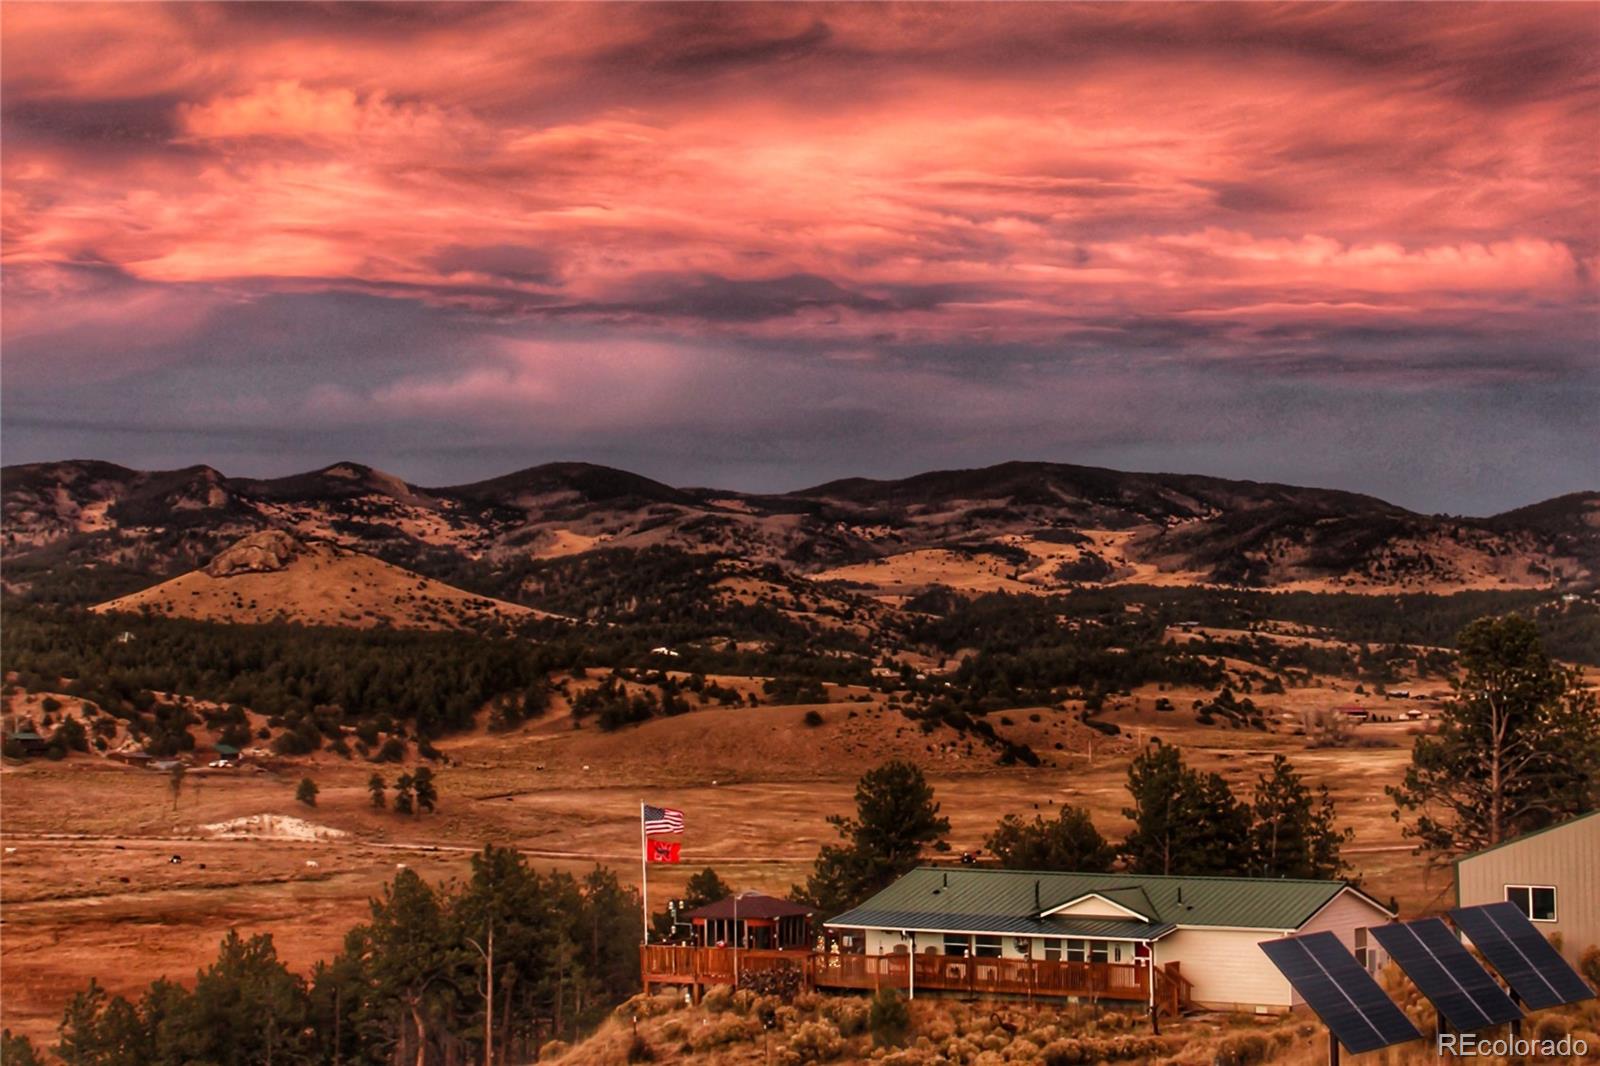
<point x="408" y="987"/>
<point x="1517" y="750"/>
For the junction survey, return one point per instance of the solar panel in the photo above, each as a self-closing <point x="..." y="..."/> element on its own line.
<point x="1535" y="971"/>
<point x="1345" y="996"/>
<point x="1444" y="971"/>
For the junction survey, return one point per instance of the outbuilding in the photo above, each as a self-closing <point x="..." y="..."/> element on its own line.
<point x="752" y="920"/>
<point x="1552" y="875"/>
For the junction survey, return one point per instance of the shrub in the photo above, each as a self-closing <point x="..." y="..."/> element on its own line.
<point x="784" y="982"/>
<point x="718" y="998"/>
<point x="889" y="1018"/>
<point x="816" y="1042"/>
<point x="813" y="719"/>
<point x="639" y="1050"/>
<point x="1245" y="1050"/>
<point x="306" y="792"/>
<point x="1590" y="965"/>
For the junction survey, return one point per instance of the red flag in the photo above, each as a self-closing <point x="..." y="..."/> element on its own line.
<point x="663" y="851"/>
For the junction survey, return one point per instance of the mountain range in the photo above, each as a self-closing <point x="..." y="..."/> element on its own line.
<point x="91" y="531"/>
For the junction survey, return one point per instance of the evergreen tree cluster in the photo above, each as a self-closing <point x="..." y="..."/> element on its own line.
<point x="1191" y="823"/>
<point x="407" y="986"/>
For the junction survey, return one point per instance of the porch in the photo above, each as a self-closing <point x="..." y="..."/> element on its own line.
<point x="971" y="977"/>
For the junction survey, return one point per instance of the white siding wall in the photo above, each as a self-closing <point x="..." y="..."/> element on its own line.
<point x="1093" y="907"/>
<point x="1226" y="967"/>
<point x="1347" y="913"/>
<point x="884" y="942"/>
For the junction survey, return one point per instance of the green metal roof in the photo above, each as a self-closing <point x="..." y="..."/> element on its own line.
<point x="968" y="897"/>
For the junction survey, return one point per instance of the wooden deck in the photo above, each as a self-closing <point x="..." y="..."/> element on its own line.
<point x="1030" y="979"/>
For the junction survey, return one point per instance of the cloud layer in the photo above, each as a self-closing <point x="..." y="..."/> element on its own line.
<point x="770" y="244"/>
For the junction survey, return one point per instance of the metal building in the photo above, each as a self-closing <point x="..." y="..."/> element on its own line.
<point x="1552" y="875"/>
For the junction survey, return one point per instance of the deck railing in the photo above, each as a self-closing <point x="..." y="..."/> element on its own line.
<point x="975" y="976"/>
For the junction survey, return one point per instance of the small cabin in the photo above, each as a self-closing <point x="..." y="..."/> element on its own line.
<point x="752" y="920"/>
<point x="226" y="752"/>
<point x="28" y="743"/>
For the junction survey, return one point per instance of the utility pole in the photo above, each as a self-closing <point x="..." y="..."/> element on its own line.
<point x="487" y="988"/>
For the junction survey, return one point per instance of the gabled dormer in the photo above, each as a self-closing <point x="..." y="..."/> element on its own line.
<point x="1128" y="902"/>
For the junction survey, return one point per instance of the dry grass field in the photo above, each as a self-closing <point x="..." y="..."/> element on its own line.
<point x="89" y="889"/>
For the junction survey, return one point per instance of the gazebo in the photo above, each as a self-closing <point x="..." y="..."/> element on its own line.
<point x="752" y="920"/>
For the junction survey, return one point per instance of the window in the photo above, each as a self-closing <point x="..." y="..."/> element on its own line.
<point x="986" y="947"/>
<point x="1052" y="951"/>
<point x="1366" y="955"/>
<point x="1099" y="951"/>
<point x="1077" y="951"/>
<point x="955" y="944"/>
<point x="1538" y="902"/>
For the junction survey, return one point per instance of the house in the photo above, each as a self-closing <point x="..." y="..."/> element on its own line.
<point x="226" y="752"/>
<point x="1355" y="714"/>
<point x="1552" y="875"/>
<point x="131" y="758"/>
<point x="1202" y="929"/>
<point x="752" y="920"/>
<point x="27" y="743"/>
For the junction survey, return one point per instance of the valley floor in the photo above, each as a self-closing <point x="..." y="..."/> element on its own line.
<point x="89" y="889"/>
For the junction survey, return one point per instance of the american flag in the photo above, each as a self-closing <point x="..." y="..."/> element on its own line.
<point x="662" y="820"/>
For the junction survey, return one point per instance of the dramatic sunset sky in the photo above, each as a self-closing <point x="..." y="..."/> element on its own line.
<point x="759" y="247"/>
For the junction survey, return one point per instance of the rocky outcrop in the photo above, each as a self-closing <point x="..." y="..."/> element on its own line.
<point x="259" y="553"/>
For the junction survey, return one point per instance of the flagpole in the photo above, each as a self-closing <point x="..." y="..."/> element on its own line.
<point x="644" y="874"/>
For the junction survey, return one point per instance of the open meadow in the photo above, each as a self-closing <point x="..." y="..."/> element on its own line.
<point x="89" y="888"/>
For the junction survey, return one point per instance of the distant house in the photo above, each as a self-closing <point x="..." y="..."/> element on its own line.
<point x="28" y="743"/>
<point x="226" y="752"/>
<point x="131" y="758"/>
<point x="1355" y="714"/>
<point x="1205" y="929"/>
<point x="1552" y="875"/>
<point x="664" y="651"/>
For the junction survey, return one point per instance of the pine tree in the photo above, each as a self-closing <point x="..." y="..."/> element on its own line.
<point x="376" y="786"/>
<point x="896" y="817"/>
<point x="1517" y="749"/>
<point x="1071" y="842"/>
<point x="422" y="784"/>
<point x="1185" y="822"/>
<point x="307" y="792"/>
<point x="1294" y="834"/>
<point x="402" y="794"/>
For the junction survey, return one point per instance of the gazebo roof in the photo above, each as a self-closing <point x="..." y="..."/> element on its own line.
<point x="750" y="905"/>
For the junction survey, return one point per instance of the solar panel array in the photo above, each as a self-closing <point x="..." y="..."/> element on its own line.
<point x="1344" y="995"/>
<point x="1462" y="992"/>
<point x="1535" y="971"/>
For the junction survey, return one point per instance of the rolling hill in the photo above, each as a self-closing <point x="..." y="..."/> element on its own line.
<point x="273" y="577"/>
<point x="90" y="531"/>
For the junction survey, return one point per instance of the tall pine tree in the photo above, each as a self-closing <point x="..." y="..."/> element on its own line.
<point x="1185" y="822"/>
